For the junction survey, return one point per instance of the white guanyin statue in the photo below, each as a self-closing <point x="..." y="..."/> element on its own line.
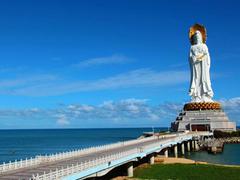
<point x="200" y="85"/>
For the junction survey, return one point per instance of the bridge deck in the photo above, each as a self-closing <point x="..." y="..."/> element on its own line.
<point x="27" y="172"/>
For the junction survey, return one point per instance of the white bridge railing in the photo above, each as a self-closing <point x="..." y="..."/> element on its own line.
<point x="5" y="167"/>
<point x="65" y="155"/>
<point x="76" y="168"/>
<point x="20" y="164"/>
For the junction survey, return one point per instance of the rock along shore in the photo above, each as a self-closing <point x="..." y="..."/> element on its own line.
<point x="216" y="145"/>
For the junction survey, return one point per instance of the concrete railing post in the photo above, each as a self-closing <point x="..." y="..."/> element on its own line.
<point x="176" y="151"/>
<point x="130" y="169"/>
<point x="166" y="152"/>
<point x="151" y="159"/>
<point x="188" y="146"/>
<point x="183" y="148"/>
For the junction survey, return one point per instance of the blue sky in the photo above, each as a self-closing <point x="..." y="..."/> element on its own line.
<point x="110" y="63"/>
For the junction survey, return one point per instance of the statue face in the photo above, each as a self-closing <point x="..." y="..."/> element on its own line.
<point x="197" y="37"/>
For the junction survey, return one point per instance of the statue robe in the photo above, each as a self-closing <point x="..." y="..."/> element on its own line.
<point x="200" y="87"/>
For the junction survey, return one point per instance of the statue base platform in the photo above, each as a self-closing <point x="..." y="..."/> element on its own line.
<point x="202" y="106"/>
<point x="204" y="116"/>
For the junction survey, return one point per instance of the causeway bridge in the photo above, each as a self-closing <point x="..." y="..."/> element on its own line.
<point x="98" y="161"/>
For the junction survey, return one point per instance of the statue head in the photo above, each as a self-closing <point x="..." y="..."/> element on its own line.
<point x="197" y="37"/>
<point x="197" y="30"/>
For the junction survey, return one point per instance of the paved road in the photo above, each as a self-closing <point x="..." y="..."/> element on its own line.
<point x="26" y="173"/>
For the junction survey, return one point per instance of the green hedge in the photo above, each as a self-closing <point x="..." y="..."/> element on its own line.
<point x="224" y="134"/>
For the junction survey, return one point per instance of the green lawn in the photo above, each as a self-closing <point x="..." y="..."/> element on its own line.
<point x="187" y="171"/>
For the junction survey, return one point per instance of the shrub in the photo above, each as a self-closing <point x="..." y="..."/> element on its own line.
<point x="226" y="134"/>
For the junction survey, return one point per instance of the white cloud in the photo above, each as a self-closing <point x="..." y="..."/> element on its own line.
<point x="34" y="110"/>
<point x="26" y="80"/>
<point x="233" y="103"/>
<point x="107" y="105"/>
<point x="232" y="107"/>
<point x="114" y="59"/>
<point x="62" y="120"/>
<point x="51" y="85"/>
<point x="133" y="101"/>
<point x="82" y="107"/>
<point x="124" y="113"/>
<point x="154" y="117"/>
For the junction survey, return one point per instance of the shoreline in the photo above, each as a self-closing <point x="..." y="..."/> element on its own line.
<point x="179" y="160"/>
<point x="183" y="160"/>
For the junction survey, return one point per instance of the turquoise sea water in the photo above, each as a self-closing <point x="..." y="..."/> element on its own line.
<point x="230" y="155"/>
<point x="21" y="144"/>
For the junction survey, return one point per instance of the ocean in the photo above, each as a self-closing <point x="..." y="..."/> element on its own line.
<point x="21" y="144"/>
<point x="230" y="155"/>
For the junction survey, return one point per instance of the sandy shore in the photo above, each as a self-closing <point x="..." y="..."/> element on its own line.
<point x="172" y="160"/>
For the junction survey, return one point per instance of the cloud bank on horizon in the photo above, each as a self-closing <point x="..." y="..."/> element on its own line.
<point x="109" y="114"/>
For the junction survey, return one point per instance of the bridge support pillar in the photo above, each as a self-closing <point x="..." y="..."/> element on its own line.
<point x="188" y="146"/>
<point x="193" y="145"/>
<point x="151" y="159"/>
<point x="166" y="152"/>
<point x="130" y="169"/>
<point x="176" y="151"/>
<point x="183" y="148"/>
<point x="196" y="146"/>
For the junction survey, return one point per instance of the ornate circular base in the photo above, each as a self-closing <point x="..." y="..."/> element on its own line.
<point x="195" y="106"/>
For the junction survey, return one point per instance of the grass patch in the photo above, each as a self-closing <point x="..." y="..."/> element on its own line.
<point x="187" y="171"/>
